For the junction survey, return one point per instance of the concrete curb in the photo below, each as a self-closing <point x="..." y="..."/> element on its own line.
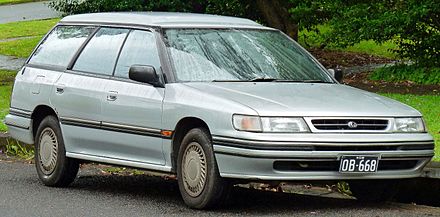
<point x="434" y="165"/>
<point x="3" y="139"/>
<point x="432" y="170"/>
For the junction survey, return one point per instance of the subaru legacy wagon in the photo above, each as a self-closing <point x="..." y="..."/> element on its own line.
<point x="215" y="100"/>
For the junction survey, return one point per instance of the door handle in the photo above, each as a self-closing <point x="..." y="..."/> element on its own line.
<point x="60" y="88"/>
<point x="112" y="96"/>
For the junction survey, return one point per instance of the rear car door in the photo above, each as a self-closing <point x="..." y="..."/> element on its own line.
<point x="132" y="111"/>
<point x="35" y="83"/>
<point x="80" y="91"/>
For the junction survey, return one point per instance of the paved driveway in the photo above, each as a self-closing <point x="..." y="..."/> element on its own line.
<point x="27" y="11"/>
<point x="95" y="194"/>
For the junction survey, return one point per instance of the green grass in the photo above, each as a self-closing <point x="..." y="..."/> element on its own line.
<point x="5" y="94"/>
<point x="13" y="2"/>
<point x="23" y="47"/>
<point x="7" y="76"/>
<point x="314" y="39"/>
<point x="371" y="47"/>
<point x="19" y="48"/>
<point x="401" y="72"/>
<point x="429" y="106"/>
<point x="26" y="28"/>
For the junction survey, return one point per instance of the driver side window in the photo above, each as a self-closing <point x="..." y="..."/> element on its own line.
<point x="139" y="49"/>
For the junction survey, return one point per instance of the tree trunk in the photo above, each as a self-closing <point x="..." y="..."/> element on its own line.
<point x="276" y="14"/>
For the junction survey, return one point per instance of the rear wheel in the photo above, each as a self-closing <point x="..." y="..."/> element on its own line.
<point x="53" y="167"/>
<point x="198" y="177"/>
<point x="374" y="190"/>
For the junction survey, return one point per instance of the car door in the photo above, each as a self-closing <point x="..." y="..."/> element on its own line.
<point x="79" y="93"/>
<point x="47" y="64"/>
<point x="132" y="111"/>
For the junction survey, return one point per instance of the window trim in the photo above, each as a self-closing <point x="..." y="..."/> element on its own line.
<point x="81" y="48"/>
<point x="120" y="51"/>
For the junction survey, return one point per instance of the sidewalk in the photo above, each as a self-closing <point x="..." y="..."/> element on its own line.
<point x="26" y="11"/>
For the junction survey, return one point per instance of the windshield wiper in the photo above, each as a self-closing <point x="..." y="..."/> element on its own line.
<point x="262" y="79"/>
<point x="227" y="81"/>
<point x="304" y="81"/>
<point x="259" y="79"/>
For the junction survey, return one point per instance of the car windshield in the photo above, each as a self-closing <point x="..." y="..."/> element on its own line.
<point x="203" y="55"/>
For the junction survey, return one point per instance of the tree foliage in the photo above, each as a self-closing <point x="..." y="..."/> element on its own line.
<point x="413" y="24"/>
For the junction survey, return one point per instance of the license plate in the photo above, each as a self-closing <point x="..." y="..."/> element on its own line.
<point x="359" y="164"/>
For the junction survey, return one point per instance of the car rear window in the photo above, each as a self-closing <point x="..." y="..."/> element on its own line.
<point x="60" y="45"/>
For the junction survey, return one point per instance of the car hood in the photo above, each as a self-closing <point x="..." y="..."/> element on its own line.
<point x="305" y="99"/>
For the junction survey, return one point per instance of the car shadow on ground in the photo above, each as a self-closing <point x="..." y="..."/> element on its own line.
<point x="241" y="200"/>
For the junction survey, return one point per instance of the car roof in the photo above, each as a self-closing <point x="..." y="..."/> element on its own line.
<point x="163" y="19"/>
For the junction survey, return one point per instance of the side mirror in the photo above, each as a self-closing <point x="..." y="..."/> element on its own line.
<point x="144" y="74"/>
<point x="337" y="73"/>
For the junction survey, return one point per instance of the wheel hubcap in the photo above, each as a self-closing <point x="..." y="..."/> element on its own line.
<point x="48" y="151"/>
<point x="194" y="169"/>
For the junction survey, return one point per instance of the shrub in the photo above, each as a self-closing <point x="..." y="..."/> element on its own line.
<point x="68" y="7"/>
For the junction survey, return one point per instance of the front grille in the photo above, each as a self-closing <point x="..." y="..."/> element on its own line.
<point x="329" y="165"/>
<point x="350" y="124"/>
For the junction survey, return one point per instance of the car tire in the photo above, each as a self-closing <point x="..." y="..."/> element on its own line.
<point x="198" y="177"/>
<point x="53" y="167"/>
<point x="374" y="190"/>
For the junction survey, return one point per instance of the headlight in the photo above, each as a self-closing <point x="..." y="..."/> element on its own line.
<point x="269" y="124"/>
<point x="409" y="125"/>
<point x="284" y="125"/>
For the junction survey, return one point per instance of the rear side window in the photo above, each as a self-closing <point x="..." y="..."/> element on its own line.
<point x="139" y="49"/>
<point x="99" y="55"/>
<point x="60" y="45"/>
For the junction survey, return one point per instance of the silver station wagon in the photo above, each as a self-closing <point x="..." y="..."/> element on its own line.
<point x="216" y="100"/>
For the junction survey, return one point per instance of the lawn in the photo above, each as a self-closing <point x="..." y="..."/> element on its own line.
<point x="429" y="106"/>
<point x="314" y="39"/>
<point x="26" y="28"/>
<point x="35" y="30"/>
<point x="5" y="92"/>
<point x="6" y="78"/>
<point x="19" y="48"/>
<point x="13" y="2"/>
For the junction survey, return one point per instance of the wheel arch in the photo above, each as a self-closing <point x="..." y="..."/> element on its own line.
<point x="182" y="128"/>
<point x="38" y="114"/>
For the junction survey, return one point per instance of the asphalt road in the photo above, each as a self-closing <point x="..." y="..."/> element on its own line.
<point x="27" y="11"/>
<point x="95" y="194"/>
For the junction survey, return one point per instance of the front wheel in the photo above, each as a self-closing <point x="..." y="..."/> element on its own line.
<point x="374" y="190"/>
<point x="53" y="167"/>
<point x="198" y="177"/>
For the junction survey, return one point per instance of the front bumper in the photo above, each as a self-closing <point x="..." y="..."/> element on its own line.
<point x="274" y="160"/>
